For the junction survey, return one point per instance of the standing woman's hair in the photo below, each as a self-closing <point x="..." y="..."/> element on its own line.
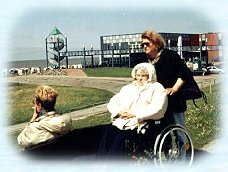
<point x="155" y="38"/>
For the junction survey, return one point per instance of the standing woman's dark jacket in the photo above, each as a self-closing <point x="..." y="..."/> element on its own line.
<point x="169" y="68"/>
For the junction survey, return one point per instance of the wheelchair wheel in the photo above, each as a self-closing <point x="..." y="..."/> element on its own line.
<point x="173" y="147"/>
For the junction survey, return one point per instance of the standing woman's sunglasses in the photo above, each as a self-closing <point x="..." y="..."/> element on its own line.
<point x="147" y="44"/>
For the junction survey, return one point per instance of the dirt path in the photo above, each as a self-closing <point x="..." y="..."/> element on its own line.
<point x="106" y="83"/>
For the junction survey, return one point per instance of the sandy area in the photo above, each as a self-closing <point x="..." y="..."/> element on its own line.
<point x="111" y="84"/>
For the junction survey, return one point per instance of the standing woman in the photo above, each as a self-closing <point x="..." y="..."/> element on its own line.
<point x="171" y="73"/>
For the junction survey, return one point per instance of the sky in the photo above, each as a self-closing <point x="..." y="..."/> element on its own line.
<point x="84" y="25"/>
<point x="26" y="23"/>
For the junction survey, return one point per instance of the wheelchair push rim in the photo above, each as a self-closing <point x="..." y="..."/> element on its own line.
<point x="171" y="153"/>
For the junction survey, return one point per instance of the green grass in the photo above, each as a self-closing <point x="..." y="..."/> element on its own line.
<point x="203" y="123"/>
<point x="92" y="121"/>
<point x="69" y="99"/>
<point x="109" y="72"/>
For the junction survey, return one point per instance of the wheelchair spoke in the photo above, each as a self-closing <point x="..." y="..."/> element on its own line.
<point x="173" y="149"/>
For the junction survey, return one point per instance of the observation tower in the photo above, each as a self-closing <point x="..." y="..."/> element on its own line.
<point x="56" y="44"/>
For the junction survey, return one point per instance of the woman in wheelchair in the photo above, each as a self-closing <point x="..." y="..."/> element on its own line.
<point x="131" y="110"/>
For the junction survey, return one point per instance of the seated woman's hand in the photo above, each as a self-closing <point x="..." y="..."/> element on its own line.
<point x="126" y="115"/>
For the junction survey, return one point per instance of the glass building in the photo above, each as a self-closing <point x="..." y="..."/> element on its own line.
<point x="126" y="48"/>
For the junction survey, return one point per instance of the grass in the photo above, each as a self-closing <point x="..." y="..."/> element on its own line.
<point x="109" y="72"/>
<point x="92" y="121"/>
<point x="203" y="123"/>
<point x="69" y="99"/>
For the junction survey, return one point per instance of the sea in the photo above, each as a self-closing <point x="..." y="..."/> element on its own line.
<point x="43" y="63"/>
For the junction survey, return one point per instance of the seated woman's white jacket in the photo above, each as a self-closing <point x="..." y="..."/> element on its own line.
<point x="147" y="102"/>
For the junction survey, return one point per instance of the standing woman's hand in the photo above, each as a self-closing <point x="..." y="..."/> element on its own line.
<point x="179" y="83"/>
<point x="171" y="91"/>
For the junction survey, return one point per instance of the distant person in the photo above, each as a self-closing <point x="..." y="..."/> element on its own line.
<point x="45" y="123"/>
<point x="171" y="73"/>
<point x="131" y="110"/>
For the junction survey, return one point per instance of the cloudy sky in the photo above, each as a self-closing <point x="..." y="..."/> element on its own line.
<point x="84" y="24"/>
<point x="25" y="23"/>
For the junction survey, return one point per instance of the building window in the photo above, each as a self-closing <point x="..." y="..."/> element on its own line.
<point x="116" y="46"/>
<point x="124" y="45"/>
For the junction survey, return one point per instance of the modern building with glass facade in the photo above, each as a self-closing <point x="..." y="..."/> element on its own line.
<point x="207" y="47"/>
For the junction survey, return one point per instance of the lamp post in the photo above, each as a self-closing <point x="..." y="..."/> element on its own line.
<point x="120" y="58"/>
<point x="179" y="46"/>
<point x="203" y="49"/>
<point x="84" y="56"/>
<point x="46" y="51"/>
<point x="220" y="45"/>
<point x="66" y="52"/>
<point x="206" y="53"/>
<point x="91" y="47"/>
<point x="200" y="44"/>
<point x="169" y="44"/>
<point x="112" y="54"/>
<point x="129" y="49"/>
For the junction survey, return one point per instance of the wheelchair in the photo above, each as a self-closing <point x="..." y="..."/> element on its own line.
<point x="167" y="145"/>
